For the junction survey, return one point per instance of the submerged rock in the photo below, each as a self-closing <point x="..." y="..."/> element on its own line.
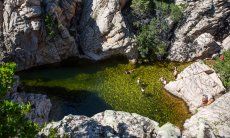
<point x="193" y="82"/>
<point x="211" y="121"/>
<point x="110" y="124"/>
<point x="206" y="23"/>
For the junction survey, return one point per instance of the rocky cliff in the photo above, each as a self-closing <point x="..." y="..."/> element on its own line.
<point x="203" y="31"/>
<point x="34" y="33"/>
<point x="49" y="31"/>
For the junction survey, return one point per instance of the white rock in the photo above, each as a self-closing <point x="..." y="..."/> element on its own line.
<point x="193" y="82"/>
<point x="226" y="43"/>
<point x="210" y="122"/>
<point x="104" y="32"/>
<point x="110" y="124"/>
<point x="204" y="24"/>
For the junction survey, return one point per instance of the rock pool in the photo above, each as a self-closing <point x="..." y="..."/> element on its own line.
<point x="89" y="88"/>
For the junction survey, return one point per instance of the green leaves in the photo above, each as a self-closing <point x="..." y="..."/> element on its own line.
<point x="153" y="37"/>
<point x="150" y="44"/>
<point x="223" y="68"/>
<point x="142" y="6"/>
<point x="50" y="25"/>
<point x="13" y="121"/>
<point x="6" y="77"/>
<point x="176" y="12"/>
<point x="12" y="116"/>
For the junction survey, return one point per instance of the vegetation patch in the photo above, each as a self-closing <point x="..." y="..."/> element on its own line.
<point x="51" y="25"/>
<point x="152" y="19"/>
<point x="6" y="77"/>
<point x="12" y="115"/>
<point x="222" y="67"/>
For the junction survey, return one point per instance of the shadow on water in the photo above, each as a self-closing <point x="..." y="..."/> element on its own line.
<point x="76" y="102"/>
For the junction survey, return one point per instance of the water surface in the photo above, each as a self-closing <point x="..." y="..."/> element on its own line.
<point x="86" y="89"/>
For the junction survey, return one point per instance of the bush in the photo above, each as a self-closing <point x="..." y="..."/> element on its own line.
<point x="152" y="27"/>
<point x="13" y="121"/>
<point x="142" y="7"/>
<point x="6" y="77"/>
<point x="223" y="68"/>
<point x="51" y="25"/>
<point x="150" y="45"/>
<point x="176" y="12"/>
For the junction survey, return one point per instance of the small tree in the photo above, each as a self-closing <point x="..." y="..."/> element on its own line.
<point x="153" y="32"/>
<point x="150" y="44"/>
<point x="6" y="77"/>
<point x="13" y="122"/>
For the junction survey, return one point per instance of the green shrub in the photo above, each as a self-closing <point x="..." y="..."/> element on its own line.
<point x="149" y="40"/>
<point x="6" y="77"/>
<point x="153" y="38"/>
<point x="142" y="6"/>
<point x="176" y="12"/>
<point x="12" y="115"/>
<point x="13" y="121"/>
<point x="223" y="68"/>
<point x="51" y="25"/>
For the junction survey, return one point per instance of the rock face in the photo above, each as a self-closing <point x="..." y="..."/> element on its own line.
<point x="103" y="30"/>
<point x="110" y="124"/>
<point x="26" y="39"/>
<point x="49" y="31"/>
<point x="40" y="104"/>
<point x="206" y="25"/>
<point x="1" y="29"/>
<point x="193" y="82"/>
<point x="226" y="43"/>
<point x="210" y="122"/>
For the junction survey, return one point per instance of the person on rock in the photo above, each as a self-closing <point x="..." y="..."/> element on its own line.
<point x="207" y="99"/>
<point x="163" y="80"/>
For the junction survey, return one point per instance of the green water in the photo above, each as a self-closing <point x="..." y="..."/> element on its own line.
<point x="90" y="88"/>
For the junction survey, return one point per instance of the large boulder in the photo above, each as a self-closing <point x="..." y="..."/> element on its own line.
<point x="193" y="82"/>
<point x="205" y="25"/>
<point x="103" y="30"/>
<point x="110" y="124"/>
<point x="40" y="104"/>
<point x="210" y="122"/>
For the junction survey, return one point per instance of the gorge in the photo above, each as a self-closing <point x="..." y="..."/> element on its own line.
<point x="115" y="68"/>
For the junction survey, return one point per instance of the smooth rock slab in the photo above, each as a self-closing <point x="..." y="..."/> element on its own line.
<point x="211" y="121"/>
<point x="103" y="30"/>
<point x="110" y="124"/>
<point x="226" y="43"/>
<point x="193" y="82"/>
